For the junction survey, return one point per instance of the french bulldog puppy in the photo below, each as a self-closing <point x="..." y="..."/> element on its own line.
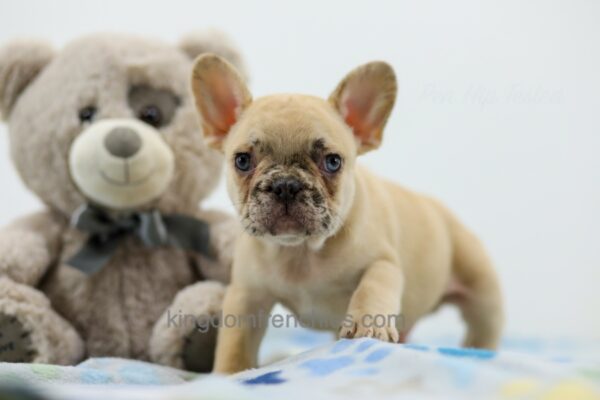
<point x="322" y="235"/>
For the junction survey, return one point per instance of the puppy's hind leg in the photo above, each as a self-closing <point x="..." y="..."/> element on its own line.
<point x="481" y="301"/>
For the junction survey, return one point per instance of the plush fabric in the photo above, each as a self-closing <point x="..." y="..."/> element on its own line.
<point x="50" y="98"/>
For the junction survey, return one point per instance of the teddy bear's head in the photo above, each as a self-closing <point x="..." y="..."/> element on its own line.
<point x="109" y="120"/>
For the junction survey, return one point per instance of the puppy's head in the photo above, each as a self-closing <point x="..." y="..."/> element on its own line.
<point x="290" y="158"/>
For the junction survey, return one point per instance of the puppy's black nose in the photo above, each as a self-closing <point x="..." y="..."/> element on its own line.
<point x="123" y="142"/>
<point x="286" y="189"/>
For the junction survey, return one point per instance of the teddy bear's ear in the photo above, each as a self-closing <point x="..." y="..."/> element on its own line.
<point x="20" y="62"/>
<point x="215" y="42"/>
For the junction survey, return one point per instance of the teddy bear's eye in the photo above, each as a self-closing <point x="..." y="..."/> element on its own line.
<point x="86" y="114"/>
<point x="156" y="107"/>
<point x="151" y="115"/>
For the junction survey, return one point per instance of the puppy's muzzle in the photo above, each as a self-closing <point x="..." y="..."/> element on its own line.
<point x="286" y="189"/>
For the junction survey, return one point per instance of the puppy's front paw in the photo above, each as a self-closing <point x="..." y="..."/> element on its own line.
<point x="365" y="326"/>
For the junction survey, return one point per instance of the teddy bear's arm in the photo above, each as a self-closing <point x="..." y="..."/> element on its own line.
<point x="223" y="232"/>
<point x="29" y="246"/>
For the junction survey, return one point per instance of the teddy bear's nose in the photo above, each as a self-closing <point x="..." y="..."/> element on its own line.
<point x="123" y="142"/>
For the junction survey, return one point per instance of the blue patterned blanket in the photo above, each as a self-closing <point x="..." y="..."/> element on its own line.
<point x="346" y="368"/>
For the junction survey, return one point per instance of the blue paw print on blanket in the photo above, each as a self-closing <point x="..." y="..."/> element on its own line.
<point x="463" y="373"/>
<point x="468" y="353"/>
<point x="329" y="365"/>
<point x="270" y="378"/>
<point x="361" y="357"/>
<point x="111" y="370"/>
<point x="354" y="357"/>
<point x="92" y="376"/>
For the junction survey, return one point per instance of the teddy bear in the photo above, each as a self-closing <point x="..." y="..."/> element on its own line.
<point x="104" y="132"/>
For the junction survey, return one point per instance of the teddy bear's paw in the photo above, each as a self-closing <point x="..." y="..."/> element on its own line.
<point x="185" y="335"/>
<point x="15" y="340"/>
<point x="23" y="256"/>
<point x="31" y="331"/>
<point x="199" y="349"/>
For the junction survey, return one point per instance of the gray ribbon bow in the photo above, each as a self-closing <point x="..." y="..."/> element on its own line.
<point x="152" y="228"/>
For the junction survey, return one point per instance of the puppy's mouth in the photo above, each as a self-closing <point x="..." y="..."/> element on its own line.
<point x="287" y="209"/>
<point x="282" y="221"/>
<point x="285" y="223"/>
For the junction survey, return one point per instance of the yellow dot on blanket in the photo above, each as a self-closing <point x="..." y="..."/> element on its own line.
<point x="572" y="389"/>
<point x="519" y="387"/>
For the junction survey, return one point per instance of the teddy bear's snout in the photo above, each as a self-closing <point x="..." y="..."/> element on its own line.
<point x="121" y="163"/>
<point x="123" y="142"/>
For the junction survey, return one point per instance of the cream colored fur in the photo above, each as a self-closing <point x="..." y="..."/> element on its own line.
<point x="383" y="249"/>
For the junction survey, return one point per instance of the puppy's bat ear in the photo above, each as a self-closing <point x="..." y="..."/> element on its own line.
<point x="220" y="94"/>
<point x="364" y="99"/>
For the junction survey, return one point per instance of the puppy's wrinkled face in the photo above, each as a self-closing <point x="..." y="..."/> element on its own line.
<point x="290" y="158"/>
<point x="290" y="169"/>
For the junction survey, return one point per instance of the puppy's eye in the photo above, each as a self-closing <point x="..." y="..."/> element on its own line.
<point x="332" y="163"/>
<point x="152" y="115"/>
<point x="243" y="162"/>
<point x="87" y="114"/>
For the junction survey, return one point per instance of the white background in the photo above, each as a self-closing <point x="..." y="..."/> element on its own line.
<point x="498" y="116"/>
